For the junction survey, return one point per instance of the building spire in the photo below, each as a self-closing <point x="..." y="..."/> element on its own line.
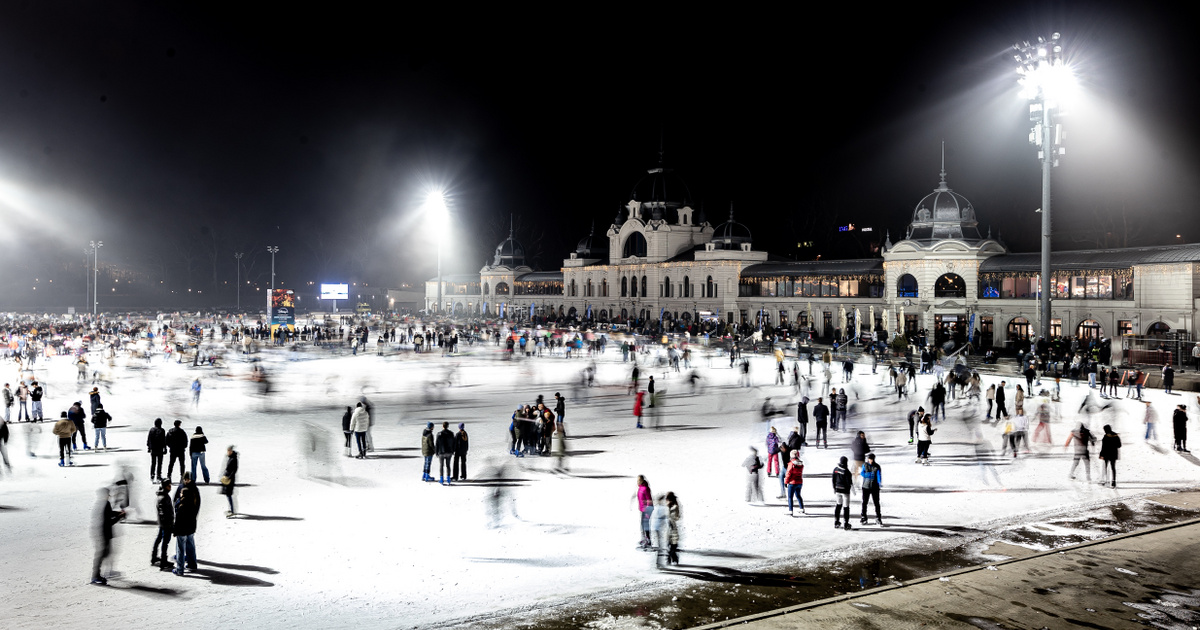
<point x="942" y="184"/>
<point x="660" y="146"/>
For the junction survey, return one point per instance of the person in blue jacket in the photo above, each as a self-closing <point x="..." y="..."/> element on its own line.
<point x="872" y="480"/>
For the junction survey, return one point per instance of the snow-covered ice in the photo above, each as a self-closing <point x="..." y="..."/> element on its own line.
<point x="331" y="541"/>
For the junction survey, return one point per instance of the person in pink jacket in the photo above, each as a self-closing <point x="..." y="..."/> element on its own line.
<point x="645" y="508"/>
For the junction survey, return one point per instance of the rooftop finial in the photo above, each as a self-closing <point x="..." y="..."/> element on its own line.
<point x="942" y="184"/>
<point x="660" y="146"/>
<point x="731" y="212"/>
<point x="510" y="225"/>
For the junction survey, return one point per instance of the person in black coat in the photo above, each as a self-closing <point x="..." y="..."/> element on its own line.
<point x="346" y="428"/>
<point x="229" y="478"/>
<point x="156" y="445"/>
<point x="177" y="443"/>
<point x="187" y="512"/>
<point x="1110" y="452"/>
<point x="166" y="523"/>
<point x="443" y="446"/>
<point x="460" y="453"/>
<point x="802" y="419"/>
<point x="842" y="483"/>
<point x="821" y="414"/>
<point x="106" y="517"/>
<point x="1179" y="424"/>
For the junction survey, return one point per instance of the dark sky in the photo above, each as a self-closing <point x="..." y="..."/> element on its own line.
<point x="181" y="134"/>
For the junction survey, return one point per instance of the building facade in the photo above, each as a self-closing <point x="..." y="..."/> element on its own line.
<point x="661" y="260"/>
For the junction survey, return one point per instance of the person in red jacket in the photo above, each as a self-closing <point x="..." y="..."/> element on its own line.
<point x="637" y="408"/>
<point x="795" y="480"/>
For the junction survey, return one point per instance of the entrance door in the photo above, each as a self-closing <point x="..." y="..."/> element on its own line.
<point x="949" y="328"/>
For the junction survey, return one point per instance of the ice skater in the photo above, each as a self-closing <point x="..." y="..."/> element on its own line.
<point x="753" y="464"/>
<point x="872" y="481"/>
<point x="106" y="517"/>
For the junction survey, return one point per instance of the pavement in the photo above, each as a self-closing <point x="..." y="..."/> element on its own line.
<point x="1145" y="578"/>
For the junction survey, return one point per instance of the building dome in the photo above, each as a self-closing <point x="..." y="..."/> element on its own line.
<point x="509" y="253"/>
<point x="592" y="247"/>
<point x="943" y="214"/>
<point x="731" y="234"/>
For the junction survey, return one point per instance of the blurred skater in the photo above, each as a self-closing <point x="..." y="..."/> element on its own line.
<point x="105" y="518"/>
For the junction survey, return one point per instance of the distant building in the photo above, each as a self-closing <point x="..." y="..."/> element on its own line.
<point x="661" y="259"/>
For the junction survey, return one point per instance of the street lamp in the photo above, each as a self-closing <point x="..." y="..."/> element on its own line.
<point x="96" y="245"/>
<point x="273" y="250"/>
<point x="1045" y="81"/>
<point x="437" y="216"/>
<point x="238" y="256"/>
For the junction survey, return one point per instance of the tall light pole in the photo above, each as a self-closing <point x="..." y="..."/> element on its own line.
<point x="438" y="216"/>
<point x="87" y="277"/>
<point x="238" y="256"/>
<point x="96" y="245"/>
<point x="270" y="295"/>
<point x="1045" y="79"/>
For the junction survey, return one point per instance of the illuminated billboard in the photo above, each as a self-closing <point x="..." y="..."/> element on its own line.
<point x="335" y="291"/>
<point x="283" y="307"/>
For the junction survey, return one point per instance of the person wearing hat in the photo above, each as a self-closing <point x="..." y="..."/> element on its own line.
<point x="872" y="479"/>
<point x="100" y="420"/>
<point x="841" y="490"/>
<point x="460" y="453"/>
<point x="35" y="399"/>
<point x="427" y="449"/>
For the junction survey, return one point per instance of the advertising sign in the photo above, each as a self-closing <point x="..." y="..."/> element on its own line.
<point x="283" y="307"/>
<point x="335" y="291"/>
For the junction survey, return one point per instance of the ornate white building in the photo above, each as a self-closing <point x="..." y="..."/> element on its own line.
<point x="661" y="259"/>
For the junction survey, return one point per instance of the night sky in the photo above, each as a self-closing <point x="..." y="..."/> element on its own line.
<point x="180" y="134"/>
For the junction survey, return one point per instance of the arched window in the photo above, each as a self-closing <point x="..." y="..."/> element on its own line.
<point x="906" y="286"/>
<point x="1158" y="328"/>
<point x="633" y="287"/>
<point x="666" y="292"/>
<point x="708" y="287"/>
<point x="1018" y="328"/>
<point x="604" y="288"/>
<point x="573" y="291"/>
<point x="1089" y="329"/>
<point x="624" y="287"/>
<point x="486" y="289"/>
<point x="502" y="288"/>
<point x="687" y="287"/>
<point x="644" y="285"/>
<point x="635" y="245"/>
<point x="950" y="285"/>
<point x="587" y="289"/>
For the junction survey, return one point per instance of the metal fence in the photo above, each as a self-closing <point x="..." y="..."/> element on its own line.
<point x="1174" y="348"/>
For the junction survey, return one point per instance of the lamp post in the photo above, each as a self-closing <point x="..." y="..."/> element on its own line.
<point x="438" y="215"/>
<point x="1044" y="79"/>
<point x="96" y="245"/>
<point x="87" y="277"/>
<point x="272" y="249"/>
<point x="238" y="257"/>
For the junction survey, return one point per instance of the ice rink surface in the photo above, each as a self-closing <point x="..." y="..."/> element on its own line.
<point x="330" y="541"/>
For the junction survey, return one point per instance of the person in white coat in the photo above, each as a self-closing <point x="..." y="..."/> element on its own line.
<point x="360" y="422"/>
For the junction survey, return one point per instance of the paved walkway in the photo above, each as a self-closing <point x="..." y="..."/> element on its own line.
<point x="1125" y="581"/>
